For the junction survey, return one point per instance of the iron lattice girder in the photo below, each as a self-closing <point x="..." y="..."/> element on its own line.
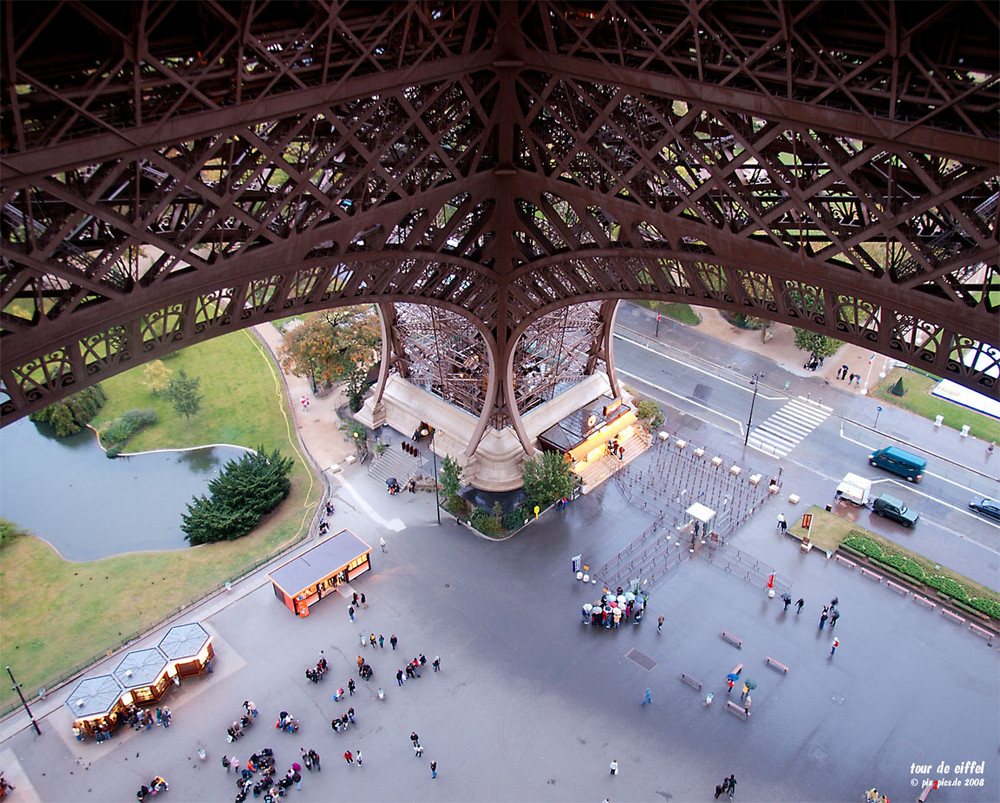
<point x="499" y="178"/>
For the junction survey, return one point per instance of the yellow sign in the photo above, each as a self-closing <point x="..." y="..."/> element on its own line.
<point x="807" y="521"/>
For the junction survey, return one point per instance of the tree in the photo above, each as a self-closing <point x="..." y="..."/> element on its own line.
<point x="547" y="478"/>
<point x="157" y="377"/>
<point x="183" y="394"/>
<point x="244" y="491"/>
<point x="72" y="414"/>
<point x="450" y="477"/>
<point x="815" y="343"/>
<point x="334" y="346"/>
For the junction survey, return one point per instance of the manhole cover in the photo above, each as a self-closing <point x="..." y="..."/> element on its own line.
<point x="642" y="659"/>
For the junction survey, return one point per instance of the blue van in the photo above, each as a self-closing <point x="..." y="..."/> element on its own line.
<point x="894" y="459"/>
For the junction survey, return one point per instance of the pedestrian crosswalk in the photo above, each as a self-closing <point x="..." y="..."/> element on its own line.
<point x="780" y="433"/>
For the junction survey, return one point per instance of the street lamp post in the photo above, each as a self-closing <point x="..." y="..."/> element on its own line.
<point x="755" y="381"/>
<point x="434" y="457"/>
<point x="17" y="687"/>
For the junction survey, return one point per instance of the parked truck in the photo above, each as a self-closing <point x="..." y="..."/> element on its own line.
<point x="855" y="489"/>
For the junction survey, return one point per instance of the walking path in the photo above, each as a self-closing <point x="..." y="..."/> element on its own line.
<point x="531" y="704"/>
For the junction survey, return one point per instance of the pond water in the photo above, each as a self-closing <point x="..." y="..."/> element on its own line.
<point x="66" y="491"/>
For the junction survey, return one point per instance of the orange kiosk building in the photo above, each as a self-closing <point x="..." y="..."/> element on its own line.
<point x="317" y="572"/>
<point x="584" y="434"/>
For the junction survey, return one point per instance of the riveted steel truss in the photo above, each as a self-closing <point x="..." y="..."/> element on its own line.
<point x="445" y="354"/>
<point x="175" y="171"/>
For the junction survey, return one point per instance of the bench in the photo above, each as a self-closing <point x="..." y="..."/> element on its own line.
<point x="776" y="664"/>
<point x="869" y="573"/>
<point x="736" y="642"/>
<point x="986" y="634"/>
<point x="897" y="587"/>
<point x="953" y="616"/>
<point x="922" y="601"/>
<point x="694" y="684"/>
<point x="737" y="710"/>
<point x="850" y="564"/>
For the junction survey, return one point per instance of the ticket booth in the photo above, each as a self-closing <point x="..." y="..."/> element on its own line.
<point x="97" y="706"/>
<point x="144" y="675"/>
<point x="585" y="434"/>
<point x="316" y="573"/>
<point x="189" y="651"/>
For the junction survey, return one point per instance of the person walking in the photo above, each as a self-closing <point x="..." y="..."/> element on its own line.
<point x="351" y="686"/>
<point x="350" y="612"/>
<point x="729" y="683"/>
<point x="418" y="751"/>
<point x="782" y="523"/>
<point x="834" y="616"/>
<point x="373" y="640"/>
<point x="436" y="663"/>
<point x="614" y="766"/>
<point x="381" y="641"/>
<point x="745" y="692"/>
<point x="659" y="625"/>
<point x="729" y="786"/>
<point x="746" y="705"/>
<point x="360" y="759"/>
<point x="381" y="543"/>
<point x="348" y="757"/>
<point x="315" y="759"/>
<point x="798" y="604"/>
<point x="399" y="677"/>
<point x="434" y="769"/>
<point x="787" y="600"/>
<point x="834" y="645"/>
<point x="297" y="777"/>
<point x="306" y="759"/>
<point x="823" y="617"/>
<point x="414" y="738"/>
<point x="364" y="602"/>
<point x="392" y="640"/>
<point x="648" y="698"/>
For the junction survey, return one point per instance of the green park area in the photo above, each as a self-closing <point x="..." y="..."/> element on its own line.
<point x="60" y="616"/>
<point x="917" y="398"/>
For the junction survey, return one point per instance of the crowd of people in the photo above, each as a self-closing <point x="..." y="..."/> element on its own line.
<point x="612" y="609"/>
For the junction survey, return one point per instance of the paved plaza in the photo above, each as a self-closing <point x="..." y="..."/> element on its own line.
<point x="533" y="705"/>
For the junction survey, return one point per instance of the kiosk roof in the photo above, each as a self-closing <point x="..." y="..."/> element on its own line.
<point x="318" y="563"/>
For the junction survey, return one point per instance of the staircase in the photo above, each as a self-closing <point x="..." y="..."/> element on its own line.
<point x="595" y="472"/>
<point x="395" y="463"/>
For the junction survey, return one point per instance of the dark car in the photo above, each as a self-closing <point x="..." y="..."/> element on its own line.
<point x="986" y="506"/>
<point x="892" y="508"/>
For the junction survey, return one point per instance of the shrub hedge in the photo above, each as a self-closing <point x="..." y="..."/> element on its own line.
<point x="911" y="569"/>
<point x="115" y="435"/>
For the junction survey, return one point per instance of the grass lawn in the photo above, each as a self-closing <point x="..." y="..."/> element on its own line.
<point x="918" y="399"/>
<point x="58" y="616"/>
<point x="679" y="312"/>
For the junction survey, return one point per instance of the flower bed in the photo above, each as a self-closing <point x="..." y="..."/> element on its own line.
<point x="901" y="563"/>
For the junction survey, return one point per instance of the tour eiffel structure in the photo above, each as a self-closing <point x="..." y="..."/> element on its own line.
<point x="495" y="177"/>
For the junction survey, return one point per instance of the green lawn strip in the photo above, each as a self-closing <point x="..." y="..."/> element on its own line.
<point x="57" y="615"/>
<point x="829" y="530"/>
<point x="918" y="399"/>
<point x="672" y="309"/>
